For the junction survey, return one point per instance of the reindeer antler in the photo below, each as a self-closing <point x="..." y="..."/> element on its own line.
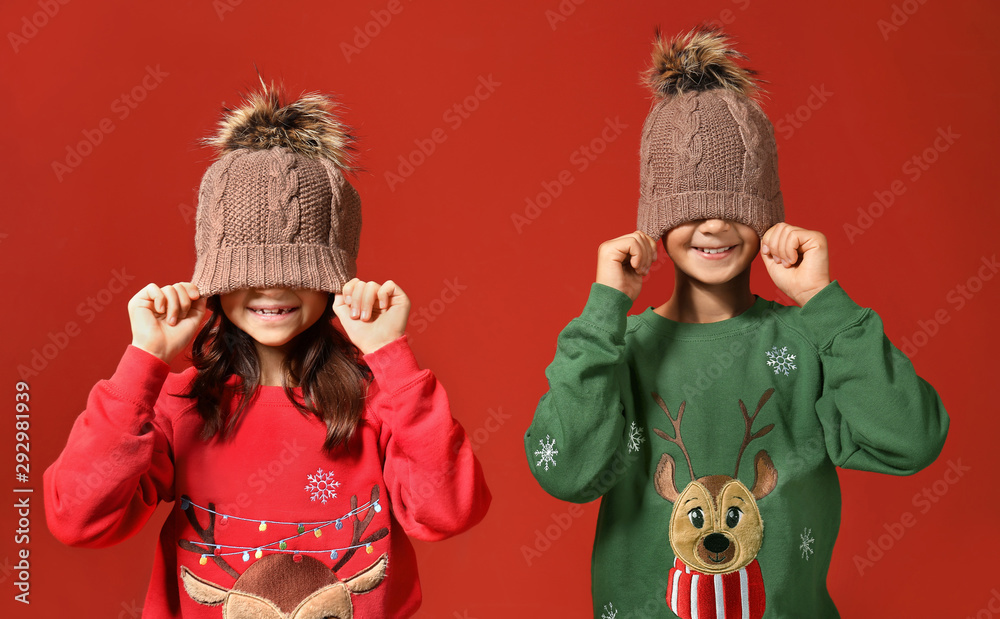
<point x="208" y="536"/>
<point x="676" y="423"/>
<point x="360" y="526"/>
<point x="748" y="421"/>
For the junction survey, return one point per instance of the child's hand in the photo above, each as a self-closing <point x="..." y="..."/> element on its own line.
<point x="373" y="315"/>
<point x="622" y="262"/>
<point x="164" y="320"/>
<point x="797" y="260"/>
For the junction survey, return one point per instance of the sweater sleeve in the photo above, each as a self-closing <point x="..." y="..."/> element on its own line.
<point x="434" y="479"/>
<point x="578" y="424"/>
<point x="877" y="414"/>
<point x="116" y="465"/>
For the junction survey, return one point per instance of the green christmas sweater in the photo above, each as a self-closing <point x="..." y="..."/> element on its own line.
<point x="713" y="448"/>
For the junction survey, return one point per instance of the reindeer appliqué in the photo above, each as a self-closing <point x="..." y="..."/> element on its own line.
<point x="283" y="585"/>
<point x="716" y="529"/>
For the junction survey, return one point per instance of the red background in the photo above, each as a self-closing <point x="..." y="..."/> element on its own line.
<point x="128" y="205"/>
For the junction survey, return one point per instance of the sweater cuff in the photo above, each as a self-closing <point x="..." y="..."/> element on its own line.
<point x="608" y="308"/>
<point x="139" y="379"/>
<point x="393" y="365"/>
<point x="829" y="312"/>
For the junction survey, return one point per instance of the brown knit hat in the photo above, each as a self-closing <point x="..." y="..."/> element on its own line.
<point x="708" y="150"/>
<point x="275" y="208"/>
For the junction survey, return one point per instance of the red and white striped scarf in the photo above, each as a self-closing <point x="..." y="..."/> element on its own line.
<point x="736" y="595"/>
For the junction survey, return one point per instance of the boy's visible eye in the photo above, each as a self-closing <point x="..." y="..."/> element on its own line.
<point x="733" y="517"/>
<point x="697" y="517"/>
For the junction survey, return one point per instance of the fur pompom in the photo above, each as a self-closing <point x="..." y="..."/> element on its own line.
<point x="307" y="126"/>
<point x="699" y="60"/>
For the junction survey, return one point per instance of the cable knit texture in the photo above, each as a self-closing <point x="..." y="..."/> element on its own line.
<point x="708" y="154"/>
<point x="275" y="218"/>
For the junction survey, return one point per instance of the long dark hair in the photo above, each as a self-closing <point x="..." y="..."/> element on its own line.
<point x="321" y="360"/>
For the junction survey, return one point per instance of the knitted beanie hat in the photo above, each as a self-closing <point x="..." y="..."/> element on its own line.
<point x="275" y="208"/>
<point x="708" y="150"/>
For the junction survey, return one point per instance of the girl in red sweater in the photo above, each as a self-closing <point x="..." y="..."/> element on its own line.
<point x="298" y="459"/>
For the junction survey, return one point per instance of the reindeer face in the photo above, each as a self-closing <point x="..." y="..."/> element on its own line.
<point x="715" y="526"/>
<point x="277" y="587"/>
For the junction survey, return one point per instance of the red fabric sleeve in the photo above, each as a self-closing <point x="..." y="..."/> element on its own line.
<point x="434" y="480"/>
<point x="117" y="463"/>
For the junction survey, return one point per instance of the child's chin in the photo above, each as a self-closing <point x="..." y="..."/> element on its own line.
<point x="713" y="277"/>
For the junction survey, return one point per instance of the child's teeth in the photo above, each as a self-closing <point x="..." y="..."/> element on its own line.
<point x="716" y="251"/>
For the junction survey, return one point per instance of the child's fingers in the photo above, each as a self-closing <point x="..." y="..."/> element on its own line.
<point x="192" y="290"/>
<point x="777" y="243"/>
<point x="173" y="304"/>
<point x="648" y="245"/>
<point x="792" y="243"/>
<point x="385" y="293"/>
<point x="347" y="289"/>
<point x="368" y="301"/>
<point x="158" y="302"/>
<point x="183" y="303"/>
<point x="357" y="296"/>
<point x="639" y="250"/>
<point x="765" y="241"/>
<point x="187" y="292"/>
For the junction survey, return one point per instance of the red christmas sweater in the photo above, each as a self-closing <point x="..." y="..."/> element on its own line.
<point x="267" y="523"/>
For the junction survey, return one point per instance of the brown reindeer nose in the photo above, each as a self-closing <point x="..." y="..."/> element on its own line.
<point x="717" y="542"/>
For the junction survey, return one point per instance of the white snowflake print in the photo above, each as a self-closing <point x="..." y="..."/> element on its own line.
<point x="780" y="360"/>
<point x="548" y="452"/>
<point x="806" y="545"/>
<point x="609" y="612"/>
<point x="635" y="438"/>
<point x="322" y="486"/>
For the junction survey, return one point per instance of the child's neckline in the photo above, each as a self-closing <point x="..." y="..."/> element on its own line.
<point x="269" y="393"/>
<point x="666" y="327"/>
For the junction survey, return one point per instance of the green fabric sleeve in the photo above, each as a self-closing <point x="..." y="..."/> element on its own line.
<point x="582" y="410"/>
<point x="877" y="414"/>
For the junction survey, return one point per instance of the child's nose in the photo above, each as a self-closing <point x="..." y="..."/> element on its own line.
<point x="714" y="225"/>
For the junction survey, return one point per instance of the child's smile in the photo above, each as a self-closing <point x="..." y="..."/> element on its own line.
<point x="272" y="313"/>
<point x="712" y="251"/>
<point x="715" y="253"/>
<point x="274" y="316"/>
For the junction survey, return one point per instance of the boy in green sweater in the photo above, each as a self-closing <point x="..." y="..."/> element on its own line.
<point x="699" y="421"/>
